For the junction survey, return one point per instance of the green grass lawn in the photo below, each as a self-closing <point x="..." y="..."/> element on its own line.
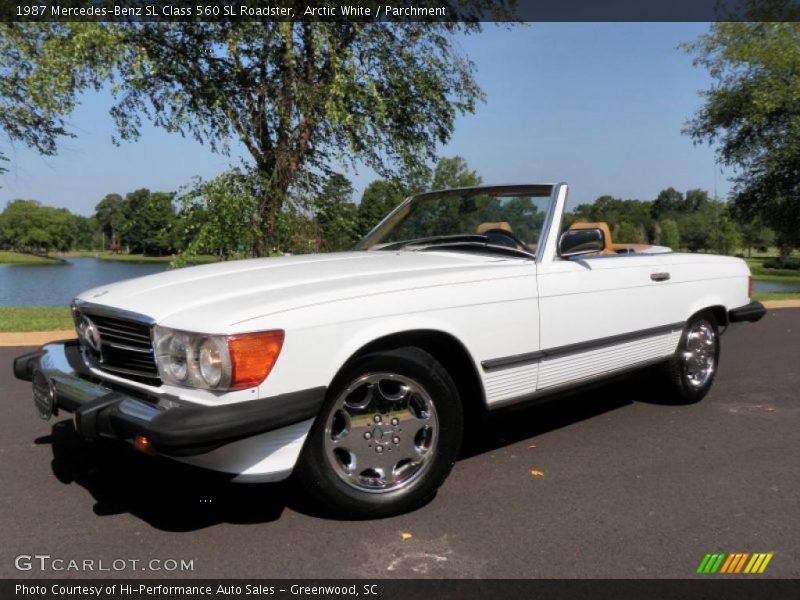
<point x="34" y="318"/>
<point x="19" y="258"/>
<point x="762" y="296"/>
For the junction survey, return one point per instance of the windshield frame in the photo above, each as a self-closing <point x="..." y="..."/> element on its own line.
<point x="549" y="190"/>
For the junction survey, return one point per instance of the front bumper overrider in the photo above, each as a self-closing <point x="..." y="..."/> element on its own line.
<point x="171" y="426"/>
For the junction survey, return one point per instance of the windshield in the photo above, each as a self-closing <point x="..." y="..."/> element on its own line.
<point x="504" y="220"/>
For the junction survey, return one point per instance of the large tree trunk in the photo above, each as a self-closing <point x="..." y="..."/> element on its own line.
<point x="271" y="206"/>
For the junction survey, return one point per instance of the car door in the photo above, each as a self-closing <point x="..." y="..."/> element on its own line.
<point x="601" y="314"/>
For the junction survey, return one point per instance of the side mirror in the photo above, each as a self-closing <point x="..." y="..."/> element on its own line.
<point x="575" y="242"/>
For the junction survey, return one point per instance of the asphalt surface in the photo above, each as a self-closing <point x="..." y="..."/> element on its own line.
<point x="631" y="488"/>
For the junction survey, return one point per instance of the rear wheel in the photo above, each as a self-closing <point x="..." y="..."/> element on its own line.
<point x="691" y="372"/>
<point x="386" y="437"/>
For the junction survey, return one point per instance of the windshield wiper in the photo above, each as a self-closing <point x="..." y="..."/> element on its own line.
<point x="478" y="247"/>
<point x="436" y="239"/>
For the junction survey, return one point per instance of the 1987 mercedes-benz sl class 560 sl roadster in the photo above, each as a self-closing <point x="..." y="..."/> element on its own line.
<point x="353" y="370"/>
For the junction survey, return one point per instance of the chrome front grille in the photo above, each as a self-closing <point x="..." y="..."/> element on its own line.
<point x="125" y="348"/>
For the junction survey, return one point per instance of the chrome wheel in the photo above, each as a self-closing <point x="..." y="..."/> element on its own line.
<point x="700" y="353"/>
<point x="382" y="432"/>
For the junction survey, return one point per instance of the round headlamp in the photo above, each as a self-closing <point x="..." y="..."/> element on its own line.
<point x="209" y="361"/>
<point x="178" y="356"/>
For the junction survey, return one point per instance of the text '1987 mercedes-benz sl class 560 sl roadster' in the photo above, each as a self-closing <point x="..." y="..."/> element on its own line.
<point x="354" y="370"/>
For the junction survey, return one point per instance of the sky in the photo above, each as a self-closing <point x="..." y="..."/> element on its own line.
<point x="597" y="105"/>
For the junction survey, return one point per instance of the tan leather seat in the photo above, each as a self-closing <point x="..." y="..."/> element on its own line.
<point x="484" y="227"/>
<point x="608" y="247"/>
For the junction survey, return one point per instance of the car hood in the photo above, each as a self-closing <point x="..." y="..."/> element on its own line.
<point x="216" y="297"/>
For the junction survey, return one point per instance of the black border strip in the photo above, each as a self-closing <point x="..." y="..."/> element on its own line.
<point x="431" y="11"/>
<point x="516" y="360"/>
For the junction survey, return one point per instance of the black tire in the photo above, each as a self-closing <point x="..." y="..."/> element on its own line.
<point x="682" y="385"/>
<point x="324" y="479"/>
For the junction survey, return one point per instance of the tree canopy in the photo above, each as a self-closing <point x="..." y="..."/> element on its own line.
<point x="35" y="120"/>
<point x="753" y="114"/>
<point x="296" y="95"/>
<point x="27" y="225"/>
<point x="378" y="200"/>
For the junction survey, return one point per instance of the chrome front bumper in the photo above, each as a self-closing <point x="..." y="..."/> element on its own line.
<point x="169" y="425"/>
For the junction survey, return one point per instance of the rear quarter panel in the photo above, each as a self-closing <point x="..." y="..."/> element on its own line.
<point x="603" y="296"/>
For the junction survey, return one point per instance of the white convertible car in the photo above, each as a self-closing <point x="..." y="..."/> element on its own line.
<point x="354" y="370"/>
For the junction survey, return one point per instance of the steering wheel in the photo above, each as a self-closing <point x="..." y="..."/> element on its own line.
<point x="502" y="237"/>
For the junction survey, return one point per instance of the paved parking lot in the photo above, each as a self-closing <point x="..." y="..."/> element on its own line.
<point x="630" y="488"/>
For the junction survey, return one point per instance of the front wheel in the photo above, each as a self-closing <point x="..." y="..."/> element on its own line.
<point x="387" y="436"/>
<point x="691" y="371"/>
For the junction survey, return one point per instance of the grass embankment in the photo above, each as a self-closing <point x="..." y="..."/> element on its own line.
<point x="35" y="318"/>
<point x="762" y="273"/>
<point x="764" y="296"/>
<point x="20" y="258"/>
<point x="141" y="258"/>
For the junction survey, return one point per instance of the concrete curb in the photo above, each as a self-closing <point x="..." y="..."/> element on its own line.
<point x="771" y="304"/>
<point x="34" y="338"/>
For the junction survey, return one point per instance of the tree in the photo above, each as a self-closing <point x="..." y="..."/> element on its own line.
<point x="695" y="231"/>
<point x="86" y="229"/>
<point x="453" y="173"/>
<point x="337" y="215"/>
<point x="724" y="236"/>
<point x="27" y="226"/>
<point x="295" y="94"/>
<point x="35" y="119"/>
<point x="670" y="234"/>
<point x="218" y="216"/>
<point x="149" y="222"/>
<point x="668" y="202"/>
<point x="752" y="113"/>
<point x="755" y="234"/>
<point x="378" y="200"/>
<point x="628" y="233"/>
<point x="614" y="211"/>
<point x="696" y="200"/>
<point x="110" y="216"/>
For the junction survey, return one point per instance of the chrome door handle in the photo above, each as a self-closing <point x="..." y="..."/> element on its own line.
<point x="659" y="276"/>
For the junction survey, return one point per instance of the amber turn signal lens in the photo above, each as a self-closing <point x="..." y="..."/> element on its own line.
<point x="252" y="357"/>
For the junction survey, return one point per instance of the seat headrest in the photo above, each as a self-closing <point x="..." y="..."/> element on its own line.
<point x="484" y="227"/>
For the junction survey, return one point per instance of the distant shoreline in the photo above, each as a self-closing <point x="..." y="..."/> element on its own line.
<point x="137" y="258"/>
<point x="23" y="258"/>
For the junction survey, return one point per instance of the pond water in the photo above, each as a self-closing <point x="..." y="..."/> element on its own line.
<point x="58" y="284"/>
<point x="771" y="286"/>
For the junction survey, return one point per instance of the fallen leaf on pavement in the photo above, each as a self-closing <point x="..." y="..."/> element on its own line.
<point x="406" y="536"/>
<point x="536" y="473"/>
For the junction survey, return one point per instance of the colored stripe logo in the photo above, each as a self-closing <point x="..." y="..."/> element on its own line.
<point x="738" y="562"/>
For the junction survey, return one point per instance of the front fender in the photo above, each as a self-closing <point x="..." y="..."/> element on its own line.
<point x="316" y="355"/>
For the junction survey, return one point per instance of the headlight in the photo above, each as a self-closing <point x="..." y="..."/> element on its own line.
<point x="178" y="356"/>
<point x="216" y="362"/>
<point x="210" y="353"/>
